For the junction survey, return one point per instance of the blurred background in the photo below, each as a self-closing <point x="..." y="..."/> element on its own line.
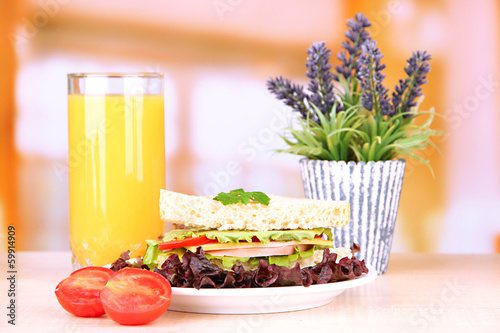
<point x="222" y="125"/>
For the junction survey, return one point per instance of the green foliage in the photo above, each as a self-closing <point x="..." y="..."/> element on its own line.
<point x="240" y="196"/>
<point x="386" y="138"/>
<point x="359" y="135"/>
<point x="330" y="139"/>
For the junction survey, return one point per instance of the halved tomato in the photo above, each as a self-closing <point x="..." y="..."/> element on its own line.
<point x="136" y="296"/>
<point x="79" y="293"/>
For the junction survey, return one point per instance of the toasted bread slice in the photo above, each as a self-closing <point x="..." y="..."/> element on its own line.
<point x="282" y="213"/>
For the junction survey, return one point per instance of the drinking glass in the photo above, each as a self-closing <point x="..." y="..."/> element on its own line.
<point x="116" y="163"/>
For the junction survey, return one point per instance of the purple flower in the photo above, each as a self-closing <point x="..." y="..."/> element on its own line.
<point x="403" y="98"/>
<point x="320" y="85"/>
<point x="292" y="94"/>
<point x="373" y="92"/>
<point x="357" y="35"/>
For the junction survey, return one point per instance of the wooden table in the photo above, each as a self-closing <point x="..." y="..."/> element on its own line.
<point x="419" y="293"/>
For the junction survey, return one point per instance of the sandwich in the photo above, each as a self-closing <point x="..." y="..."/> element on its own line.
<point x="248" y="239"/>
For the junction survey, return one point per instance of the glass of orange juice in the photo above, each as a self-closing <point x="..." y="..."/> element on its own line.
<point x="116" y="164"/>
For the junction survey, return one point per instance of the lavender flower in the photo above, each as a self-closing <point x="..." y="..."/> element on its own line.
<point x="321" y="85"/>
<point x="292" y="94"/>
<point x="357" y="35"/>
<point x="403" y="98"/>
<point x="373" y="92"/>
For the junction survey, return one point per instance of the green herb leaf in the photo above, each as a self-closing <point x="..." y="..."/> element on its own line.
<point x="240" y="196"/>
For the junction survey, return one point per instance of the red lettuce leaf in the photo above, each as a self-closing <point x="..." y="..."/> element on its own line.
<point x="122" y="262"/>
<point x="195" y="270"/>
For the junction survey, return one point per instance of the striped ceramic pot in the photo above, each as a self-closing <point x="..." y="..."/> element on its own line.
<point x="373" y="191"/>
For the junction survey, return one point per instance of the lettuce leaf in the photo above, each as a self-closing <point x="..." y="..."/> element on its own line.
<point x="286" y="260"/>
<point x="123" y="261"/>
<point x="235" y="236"/>
<point x="151" y="254"/>
<point x="283" y="260"/>
<point x="195" y="270"/>
<point x="228" y="261"/>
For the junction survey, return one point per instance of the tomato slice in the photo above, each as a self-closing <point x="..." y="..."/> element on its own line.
<point x="186" y="242"/>
<point x="79" y="293"/>
<point x="136" y="296"/>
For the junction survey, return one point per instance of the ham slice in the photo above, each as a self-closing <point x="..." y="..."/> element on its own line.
<point x="262" y="251"/>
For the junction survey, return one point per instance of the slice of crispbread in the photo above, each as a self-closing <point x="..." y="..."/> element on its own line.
<point x="282" y="213"/>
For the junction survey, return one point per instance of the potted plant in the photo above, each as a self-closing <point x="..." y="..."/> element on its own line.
<point x="352" y="134"/>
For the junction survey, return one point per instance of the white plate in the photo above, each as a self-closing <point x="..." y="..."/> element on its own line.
<point x="261" y="300"/>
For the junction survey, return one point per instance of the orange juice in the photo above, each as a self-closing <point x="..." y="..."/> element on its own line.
<point x="116" y="171"/>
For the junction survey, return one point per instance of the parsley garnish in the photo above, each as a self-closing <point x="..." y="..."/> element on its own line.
<point x="239" y="195"/>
